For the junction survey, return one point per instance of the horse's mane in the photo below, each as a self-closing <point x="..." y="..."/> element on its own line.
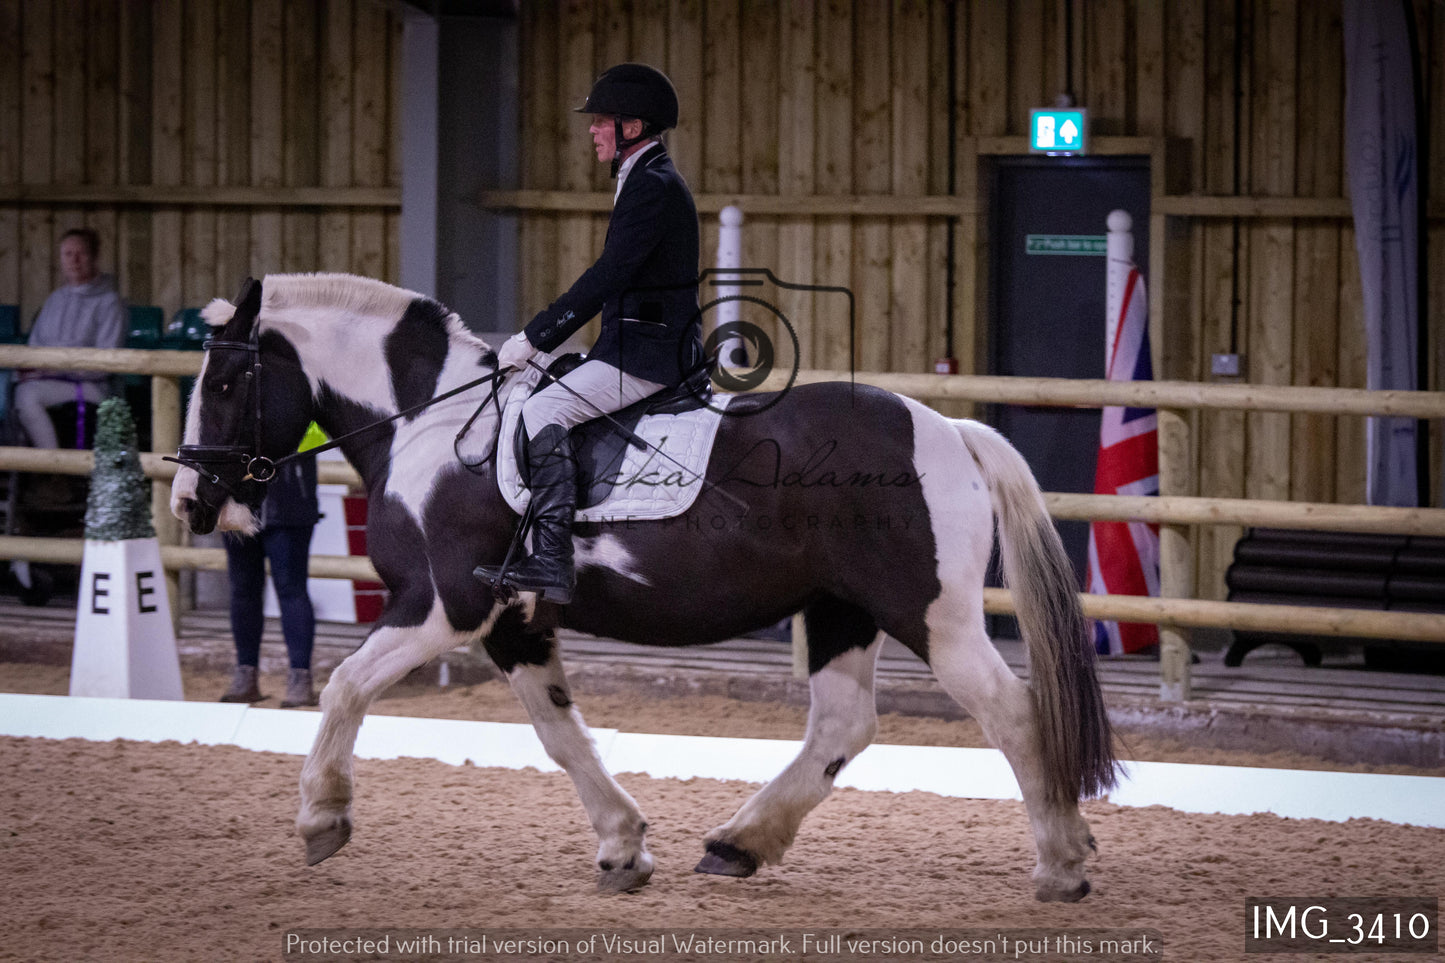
<point x="356" y="296"/>
<point x="344" y="292"/>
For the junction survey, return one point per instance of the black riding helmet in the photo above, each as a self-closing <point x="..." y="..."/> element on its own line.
<point x="633" y="90"/>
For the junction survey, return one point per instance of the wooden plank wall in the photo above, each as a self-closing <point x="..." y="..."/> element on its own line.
<point x="816" y="104"/>
<point x="173" y="94"/>
<point x="1298" y="317"/>
<point x="788" y="100"/>
<point x="850" y="98"/>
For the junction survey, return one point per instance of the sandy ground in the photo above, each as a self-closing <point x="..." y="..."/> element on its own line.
<point x="130" y="851"/>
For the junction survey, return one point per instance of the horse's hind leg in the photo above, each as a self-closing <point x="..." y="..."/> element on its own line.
<point x="842" y="721"/>
<point x="970" y="669"/>
<point x="388" y="654"/>
<point x="532" y="666"/>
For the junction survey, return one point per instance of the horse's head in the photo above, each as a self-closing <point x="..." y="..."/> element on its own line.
<point x="250" y="406"/>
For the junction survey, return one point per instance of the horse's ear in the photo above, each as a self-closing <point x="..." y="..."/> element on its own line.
<point x="248" y="306"/>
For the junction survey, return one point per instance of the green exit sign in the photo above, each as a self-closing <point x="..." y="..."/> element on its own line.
<point x="1059" y="130"/>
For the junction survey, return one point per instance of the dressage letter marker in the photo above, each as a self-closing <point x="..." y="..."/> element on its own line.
<point x="125" y="646"/>
<point x="125" y="642"/>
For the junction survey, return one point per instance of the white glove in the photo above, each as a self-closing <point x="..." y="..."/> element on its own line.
<point x="516" y="351"/>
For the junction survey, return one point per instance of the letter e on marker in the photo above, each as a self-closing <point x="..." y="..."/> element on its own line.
<point x="97" y="593"/>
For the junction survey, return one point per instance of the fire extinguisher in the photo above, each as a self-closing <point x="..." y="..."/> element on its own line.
<point x="945" y="366"/>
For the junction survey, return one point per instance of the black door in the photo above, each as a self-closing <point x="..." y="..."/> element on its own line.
<point x="1047" y="307"/>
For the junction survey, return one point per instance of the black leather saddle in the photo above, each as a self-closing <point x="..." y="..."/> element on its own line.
<point x="598" y="444"/>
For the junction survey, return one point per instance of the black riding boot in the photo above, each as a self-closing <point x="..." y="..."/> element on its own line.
<point x="548" y="570"/>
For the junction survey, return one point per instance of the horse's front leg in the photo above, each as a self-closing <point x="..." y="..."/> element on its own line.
<point x="389" y="653"/>
<point x="532" y="665"/>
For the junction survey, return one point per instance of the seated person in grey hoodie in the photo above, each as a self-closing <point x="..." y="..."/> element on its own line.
<point x="85" y="312"/>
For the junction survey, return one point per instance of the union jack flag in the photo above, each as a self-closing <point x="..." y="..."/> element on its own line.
<point x="1124" y="556"/>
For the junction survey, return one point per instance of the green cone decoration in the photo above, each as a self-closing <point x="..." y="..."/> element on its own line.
<point x="120" y="496"/>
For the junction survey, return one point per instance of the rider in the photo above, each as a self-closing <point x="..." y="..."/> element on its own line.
<point x="645" y="285"/>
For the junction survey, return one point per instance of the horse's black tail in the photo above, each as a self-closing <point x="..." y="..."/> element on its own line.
<point x="1077" y="741"/>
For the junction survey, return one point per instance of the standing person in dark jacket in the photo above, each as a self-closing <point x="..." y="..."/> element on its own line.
<point x="288" y="516"/>
<point x="645" y="285"/>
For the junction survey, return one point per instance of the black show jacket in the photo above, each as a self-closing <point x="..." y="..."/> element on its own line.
<point x="645" y="282"/>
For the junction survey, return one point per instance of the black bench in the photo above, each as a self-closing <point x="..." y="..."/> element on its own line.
<point x="1403" y="573"/>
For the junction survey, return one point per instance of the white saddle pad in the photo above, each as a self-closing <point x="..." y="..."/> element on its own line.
<point x="648" y="485"/>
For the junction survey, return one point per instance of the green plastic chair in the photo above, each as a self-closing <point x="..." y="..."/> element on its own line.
<point x="145" y="326"/>
<point x="10" y="324"/>
<point x="187" y="330"/>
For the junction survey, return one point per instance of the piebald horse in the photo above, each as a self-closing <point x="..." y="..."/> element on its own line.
<point x="867" y="512"/>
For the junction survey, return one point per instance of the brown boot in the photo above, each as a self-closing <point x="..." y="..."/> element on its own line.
<point x="298" y="689"/>
<point x="243" y="686"/>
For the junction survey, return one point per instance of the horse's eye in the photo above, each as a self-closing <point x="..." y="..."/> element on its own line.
<point x="221" y="387"/>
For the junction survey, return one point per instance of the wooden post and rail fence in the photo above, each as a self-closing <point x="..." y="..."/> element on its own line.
<point x="1174" y="510"/>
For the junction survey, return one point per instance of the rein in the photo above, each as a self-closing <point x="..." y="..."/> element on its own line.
<point x="336" y="442"/>
<point x="260" y="469"/>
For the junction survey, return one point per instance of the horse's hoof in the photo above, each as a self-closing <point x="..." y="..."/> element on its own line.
<point x="1063" y="896"/>
<point x="327" y="841"/>
<point x="624" y="879"/>
<point x="722" y="859"/>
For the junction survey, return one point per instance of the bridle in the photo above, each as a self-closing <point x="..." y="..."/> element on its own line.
<point x="230" y="467"/>
<point x="234" y="467"/>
